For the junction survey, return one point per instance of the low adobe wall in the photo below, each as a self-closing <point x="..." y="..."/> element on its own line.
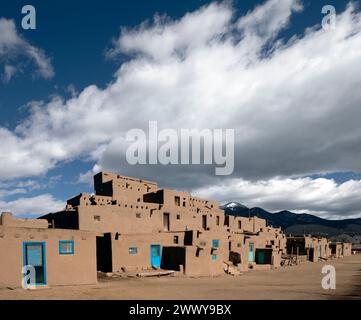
<point x="66" y="269"/>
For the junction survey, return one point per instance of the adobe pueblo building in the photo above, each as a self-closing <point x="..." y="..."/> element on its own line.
<point x="140" y="226"/>
<point x="132" y="225"/>
<point x="315" y="249"/>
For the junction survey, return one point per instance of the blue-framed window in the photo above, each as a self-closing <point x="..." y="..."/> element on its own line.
<point x="215" y="243"/>
<point x="66" y="246"/>
<point x="133" y="250"/>
<point x="214" y="257"/>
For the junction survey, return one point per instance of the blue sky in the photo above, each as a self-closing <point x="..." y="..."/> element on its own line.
<point x="74" y="37"/>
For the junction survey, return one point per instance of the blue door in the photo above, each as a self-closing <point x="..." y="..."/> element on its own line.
<point x="260" y="257"/>
<point x="155" y="255"/>
<point x="34" y="255"/>
<point x="250" y="253"/>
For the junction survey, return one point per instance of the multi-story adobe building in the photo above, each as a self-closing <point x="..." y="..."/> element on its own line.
<point x="131" y="224"/>
<point x="140" y="226"/>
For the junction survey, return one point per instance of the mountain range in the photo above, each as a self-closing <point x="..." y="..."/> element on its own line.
<point x="297" y="223"/>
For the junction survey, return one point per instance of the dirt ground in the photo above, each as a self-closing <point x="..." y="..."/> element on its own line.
<point x="296" y="282"/>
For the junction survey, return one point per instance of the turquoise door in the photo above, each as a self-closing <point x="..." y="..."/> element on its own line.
<point x="250" y="253"/>
<point x="260" y="257"/>
<point x="34" y="255"/>
<point x="155" y="255"/>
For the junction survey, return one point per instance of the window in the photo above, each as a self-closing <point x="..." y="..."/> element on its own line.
<point x="97" y="218"/>
<point x="178" y="216"/>
<point x="138" y="215"/>
<point x="133" y="250"/>
<point x="217" y="220"/>
<point x="215" y="243"/>
<point x="175" y="239"/>
<point x="226" y="221"/>
<point x="66" y="247"/>
<point x="239" y="224"/>
<point x="204" y="222"/>
<point x="166" y="222"/>
<point x="177" y="201"/>
<point x="198" y="252"/>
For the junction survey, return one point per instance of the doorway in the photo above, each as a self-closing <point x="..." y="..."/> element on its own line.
<point x="173" y="258"/>
<point x="104" y="253"/>
<point x="251" y="252"/>
<point x="34" y="254"/>
<point x="155" y="255"/>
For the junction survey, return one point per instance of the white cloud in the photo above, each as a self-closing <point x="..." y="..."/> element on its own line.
<point x="88" y="177"/>
<point x="295" y="106"/>
<point x="13" y="46"/>
<point x="323" y="197"/>
<point x="9" y="72"/>
<point x="13" y="191"/>
<point x="42" y="204"/>
<point x="165" y="38"/>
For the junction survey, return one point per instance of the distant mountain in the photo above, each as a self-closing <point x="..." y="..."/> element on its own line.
<point x="297" y="223"/>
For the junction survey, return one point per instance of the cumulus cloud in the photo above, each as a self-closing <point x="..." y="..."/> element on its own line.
<point x="321" y="196"/>
<point x="88" y="177"/>
<point x="13" y="46"/>
<point x="294" y="104"/>
<point x="37" y="205"/>
<point x="23" y="202"/>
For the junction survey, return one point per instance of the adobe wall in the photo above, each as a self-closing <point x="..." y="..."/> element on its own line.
<point x="203" y="265"/>
<point x="347" y="249"/>
<point x="122" y="187"/>
<point x="123" y="258"/>
<point x="7" y="220"/>
<point x="79" y="268"/>
<point x="336" y="249"/>
<point x="314" y="248"/>
<point x="102" y="214"/>
<point x="201" y="257"/>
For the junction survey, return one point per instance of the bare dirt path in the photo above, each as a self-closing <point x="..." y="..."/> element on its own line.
<point x="298" y="282"/>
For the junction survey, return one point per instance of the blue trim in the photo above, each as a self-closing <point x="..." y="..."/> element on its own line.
<point x="66" y="241"/>
<point x="160" y="255"/>
<point x="215" y="243"/>
<point x="44" y="261"/>
<point x="251" y="252"/>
